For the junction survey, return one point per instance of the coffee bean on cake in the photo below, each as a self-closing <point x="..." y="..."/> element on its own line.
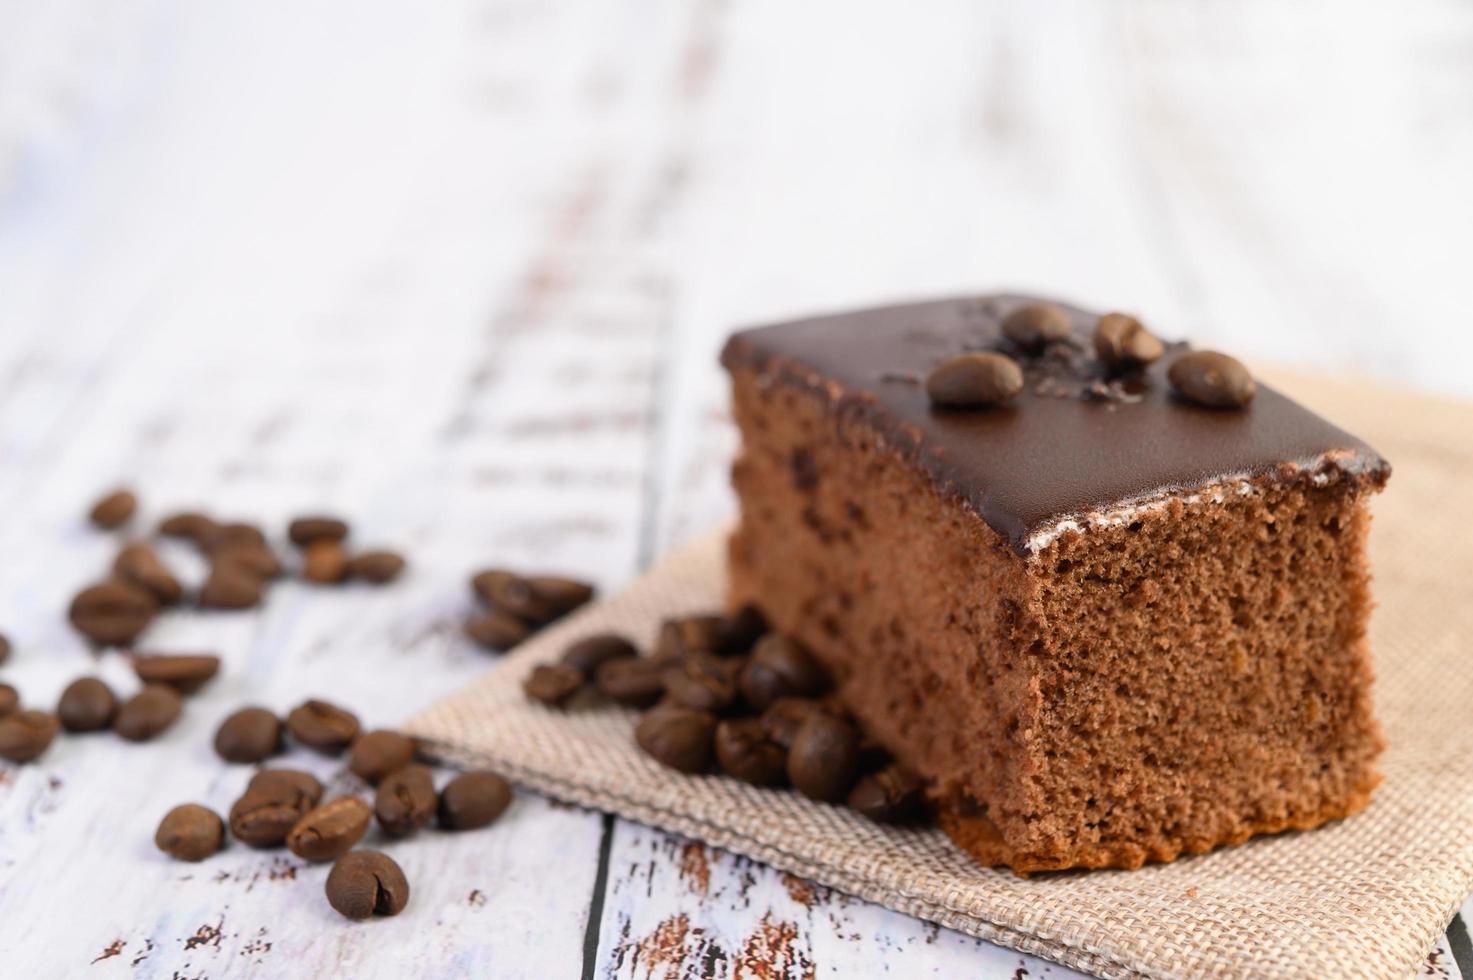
<point x="1122" y="342"/>
<point x="149" y="713"/>
<point x="377" y="567"/>
<point x="891" y="795"/>
<point x="1033" y="325"/>
<point x="184" y="672"/>
<point x="114" y="509"/>
<point x="367" y="883"/>
<point x="26" y="734"/>
<point x="780" y="667"/>
<point x="190" y="832"/>
<point x="322" y="726"/>
<point x="973" y="380"/>
<point x="112" y="613"/>
<point x="589" y="653"/>
<point x="248" y="735"/>
<point x="1211" y="379"/>
<point x="305" y="530"/>
<point x="744" y="750"/>
<point x="328" y="831"/>
<point x="473" y="799"/>
<point x="86" y="705"/>
<point x="823" y="761"/>
<point x="377" y="753"/>
<point x="553" y="684"/>
<point x="140" y="565"/>
<point x="406" y="800"/>
<point x="677" y="737"/>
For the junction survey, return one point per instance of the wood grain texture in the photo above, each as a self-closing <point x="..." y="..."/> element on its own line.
<point x="459" y="272"/>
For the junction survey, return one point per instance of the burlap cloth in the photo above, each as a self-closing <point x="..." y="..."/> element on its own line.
<point x="1363" y="897"/>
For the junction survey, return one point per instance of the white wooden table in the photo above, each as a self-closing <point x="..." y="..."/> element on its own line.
<point x="459" y="272"/>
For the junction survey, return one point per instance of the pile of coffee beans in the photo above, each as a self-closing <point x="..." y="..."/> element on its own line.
<point x="516" y="606"/>
<point x="722" y="692"/>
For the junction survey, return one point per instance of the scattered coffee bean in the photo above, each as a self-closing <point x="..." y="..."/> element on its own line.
<point x="87" y="705"/>
<point x="184" y="672"/>
<point x="892" y="795"/>
<point x="553" y="684"/>
<point x="248" y="558"/>
<point x="406" y="800"/>
<point x="327" y="832"/>
<point x="305" y="530"/>
<point x="780" y="667"/>
<point x="324" y="561"/>
<point x="301" y="789"/>
<point x="140" y="565"/>
<point x="740" y="631"/>
<point x="1211" y="379"/>
<point x="537" y="600"/>
<point x="25" y="734"/>
<point x="4" y="648"/>
<point x="688" y="634"/>
<point x="322" y="726"/>
<point x="590" y="652"/>
<point x="112" y="613"/>
<point x="189" y="525"/>
<point x="1036" y="324"/>
<point x="367" y="883"/>
<point x="148" y="713"/>
<point x="744" y="750"/>
<point x="473" y="800"/>
<point x="264" y="815"/>
<point x="974" y="379"/>
<point x="230" y="586"/>
<point x="114" y="510"/>
<point x="233" y="534"/>
<point x="635" y="681"/>
<point x="248" y="735"/>
<point x="782" y="720"/>
<point x="377" y="753"/>
<point x="9" y="699"/>
<point x="562" y="595"/>
<point x="377" y="567"/>
<point x="190" y="832"/>
<point x="823" y="761"/>
<point x="702" y="681"/>
<point x="678" y="737"/>
<point x="1122" y="342"/>
<point x="497" y="630"/>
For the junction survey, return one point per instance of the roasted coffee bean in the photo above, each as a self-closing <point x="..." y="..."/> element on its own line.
<point x="189" y="525"/>
<point x="248" y="735"/>
<point x="190" y="832"/>
<point x="634" y="681"/>
<point x="590" y="652"/>
<point x="688" y="634"/>
<point x="892" y="795"/>
<point x="538" y="599"/>
<point x="1121" y="341"/>
<point x="377" y="567"/>
<point x="406" y="800"/>
<point x="678" y="737"/>
<point x="702" y="681"/>
<point x="114" y="510"/>
<point x="744" y="750"/>
<point x="367" y="883"/>
<point x="780" y="667"/>
<point x="740" y="631"/>
<point x="561" y="595"/>
<point x="264" y="814"/>
<point x="25" y="734"/>
<point x="87" y="705"/>
<point x="1035" y="325"/>
<point x="974" y="379"/>
<point x="304" y="530"/>
<point x="553" y="684"/>
<point x="823" y="761"/>
<point x="497" y="630"/>
<point x="139" y="564"/>
<point x="9" y="699"/>
<point x="184" y="672"/>
<point x="322" y="726"/>
<point x="4" y="648"/>
<point x="248" y="558"/>
<point x="148" y="713"/>
<point x="324" y="561"/>
<point x="233" y="534"/>
<point x="112" y="613"/>
<point x="230" y="586"/>
<point x="785" y="716"/>
<point x="1211" y="379"/>
<point x="473" y="799"/>
<point x="301" y="789"/>
<point x="327" y="832"/>
<point x="377" y="753"/>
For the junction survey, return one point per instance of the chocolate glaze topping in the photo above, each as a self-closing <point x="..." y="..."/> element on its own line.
<point x="1076" y="440"/>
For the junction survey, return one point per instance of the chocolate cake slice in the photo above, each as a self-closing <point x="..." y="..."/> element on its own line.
<point x="1108" y="613"/>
